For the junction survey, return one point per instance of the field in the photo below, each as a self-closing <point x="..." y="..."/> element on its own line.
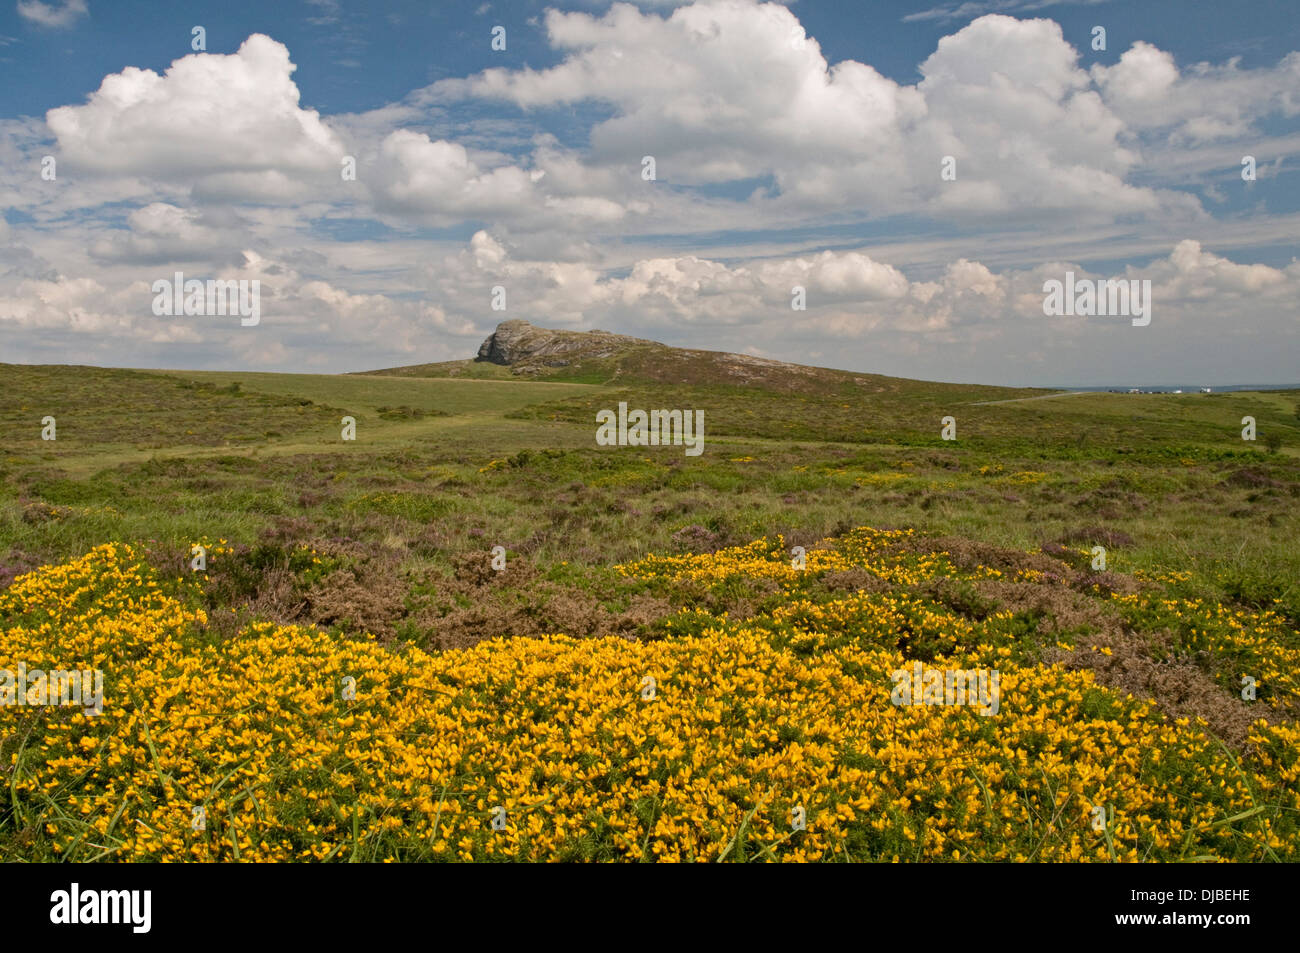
<point x="653" y="674"/>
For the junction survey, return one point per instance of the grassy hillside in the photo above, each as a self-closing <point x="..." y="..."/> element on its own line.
<point x="361" y="394"/>
<point x="374" y="555"/>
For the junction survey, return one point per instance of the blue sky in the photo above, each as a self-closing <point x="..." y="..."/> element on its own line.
<point x="391" y="48"/>
<point x="796" y="145"/>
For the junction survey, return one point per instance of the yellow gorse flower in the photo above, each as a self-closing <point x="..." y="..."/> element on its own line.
<point x="749" y="720"/>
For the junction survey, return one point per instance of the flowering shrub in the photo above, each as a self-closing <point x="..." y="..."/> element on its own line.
<point x="301" y="745"/>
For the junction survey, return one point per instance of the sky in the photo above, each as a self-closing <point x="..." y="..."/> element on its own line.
<point x="883" y="187"/>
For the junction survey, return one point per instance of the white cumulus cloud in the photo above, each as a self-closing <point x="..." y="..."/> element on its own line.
<point x="56" y="15"/>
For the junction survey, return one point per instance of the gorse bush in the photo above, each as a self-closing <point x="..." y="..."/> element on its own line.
<point x="704" y="744"/>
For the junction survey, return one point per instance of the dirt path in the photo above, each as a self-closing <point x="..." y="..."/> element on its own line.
<point x="1016" y="400"/>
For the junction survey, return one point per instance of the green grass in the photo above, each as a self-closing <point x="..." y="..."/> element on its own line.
<point x="463" y="457"/>
<point x="172" y="456"/>
<point x="364" y="393"/>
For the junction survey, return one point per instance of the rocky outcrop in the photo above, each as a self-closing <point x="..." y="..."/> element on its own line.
<point x="517" y="342"/>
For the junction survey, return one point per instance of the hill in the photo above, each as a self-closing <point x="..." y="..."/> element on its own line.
<point x="756" y="397"/>
<point x="520" y="349"/>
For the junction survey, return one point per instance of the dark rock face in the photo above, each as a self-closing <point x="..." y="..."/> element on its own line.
<point x="504" y="345"/>
<point x="518" y="342"/>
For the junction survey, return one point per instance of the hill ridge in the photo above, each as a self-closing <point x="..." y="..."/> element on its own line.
<point x="518" y="348"/>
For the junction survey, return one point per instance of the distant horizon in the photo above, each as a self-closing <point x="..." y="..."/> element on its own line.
<point x="968" y="383"/>
<point x="1185" y="387"/>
